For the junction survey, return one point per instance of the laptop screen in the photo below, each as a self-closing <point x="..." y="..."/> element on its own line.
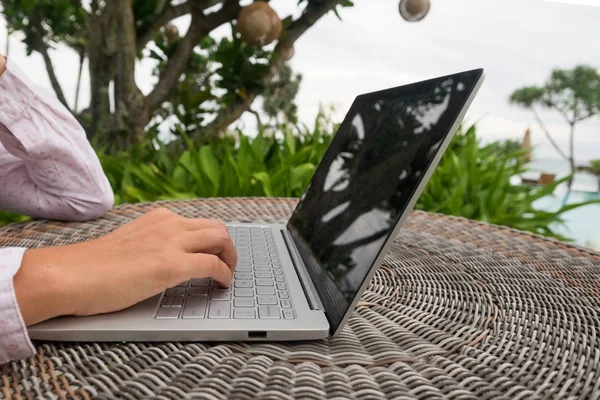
<point x="366" y="180"/>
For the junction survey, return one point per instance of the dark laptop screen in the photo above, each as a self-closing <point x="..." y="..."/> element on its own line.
<point x="366" y="179"/>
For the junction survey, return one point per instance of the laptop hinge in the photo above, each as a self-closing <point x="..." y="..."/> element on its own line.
<point x="307" y="284"/>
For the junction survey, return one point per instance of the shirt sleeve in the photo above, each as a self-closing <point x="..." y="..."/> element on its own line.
<point x="48" y="169"/>
<point x="14" y="340"/>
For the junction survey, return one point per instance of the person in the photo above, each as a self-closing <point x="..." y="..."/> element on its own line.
<point x="49" y="170"/>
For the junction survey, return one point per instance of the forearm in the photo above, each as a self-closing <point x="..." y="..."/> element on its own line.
<point x="41" y="289"/>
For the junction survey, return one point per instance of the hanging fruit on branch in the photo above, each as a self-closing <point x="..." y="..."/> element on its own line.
<point x="414" y="10"/>
<point x="287" y="53"/>
<point x="171" y="32"/>
<point x="259" y="24"/>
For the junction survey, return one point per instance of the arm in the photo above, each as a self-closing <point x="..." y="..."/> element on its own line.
<point x="48" y="169"/>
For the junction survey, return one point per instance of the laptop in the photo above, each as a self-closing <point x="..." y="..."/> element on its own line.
<point x="302" y="280"/>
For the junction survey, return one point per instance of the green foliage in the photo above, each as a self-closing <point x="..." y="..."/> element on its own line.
<point x="595" y="167"/>
<point x="474" y="181"/>
<point x="574" y="93"/>
<point x="279" y="96"/>
<point x="268" y="165"/>
<point x="47" y="20"/>
<point x="218" y="74"/>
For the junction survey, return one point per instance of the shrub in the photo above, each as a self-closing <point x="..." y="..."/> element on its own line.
<point x="472" y="180"/>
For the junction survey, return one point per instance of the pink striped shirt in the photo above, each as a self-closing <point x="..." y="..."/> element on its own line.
<point x="49" y="170"/>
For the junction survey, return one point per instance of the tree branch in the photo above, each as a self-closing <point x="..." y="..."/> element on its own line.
<point x="288" y="37"/>
<point x="200" y="26"/>
<point x="258" y="119"/>
<point x="43" y="50"/>
<point x="168" y="15"/>
<point x="547" y="133"/>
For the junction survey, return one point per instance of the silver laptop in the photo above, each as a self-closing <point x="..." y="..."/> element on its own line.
<point x="302" y="280"/>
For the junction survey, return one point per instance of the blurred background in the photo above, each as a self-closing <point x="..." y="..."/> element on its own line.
<point x="204" y="98"/>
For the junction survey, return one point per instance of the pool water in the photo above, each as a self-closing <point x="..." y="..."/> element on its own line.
<point x="582" y="224"/>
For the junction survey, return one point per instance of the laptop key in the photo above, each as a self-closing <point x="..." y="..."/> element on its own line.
<point x="286" y="304"/>
<point x="246" y="313"/>
<point x="244" y="284"/>
<point x="283" y="294"/>
<point x="168" y="313"/>
<point x="267" y="299"/>
<point x="220" y="295"/>
<point x="198" y="291"/>
<point x="279" y="278"/>
<point x="219" y="309"/>
<point x="268" y="312"/>
<point x="195" y="307"/>
<point x="281" y="286"/>
<point x="166" y="302"/>
<point x="264" y="282"/>
<point x="175" y="292"/>
<point x="288" y="314"/>
<point x="262" y="267"/>
<point x="243" y="275"/>
<point x="263" y="274"/>
<point x="244" y="268"/>
<point x="243" y="302"/>
<point x="265" y="290"/>
<point x="243" y="292"/>
<point x="218" y="288"/>
<point x="177" y="302"/>
<point x="277" y="271"/>
<point x="201" y="282"/>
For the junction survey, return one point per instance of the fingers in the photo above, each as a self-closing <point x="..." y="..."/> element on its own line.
<point x="211" y="241"/>
<point x="201" y="265"/>
<point x="195" y="224"/>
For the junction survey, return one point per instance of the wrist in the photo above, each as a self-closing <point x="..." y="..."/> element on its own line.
<point x="41" y="286"/>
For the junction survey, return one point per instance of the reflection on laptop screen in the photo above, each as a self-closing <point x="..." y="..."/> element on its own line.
<point x="366" y="180"/>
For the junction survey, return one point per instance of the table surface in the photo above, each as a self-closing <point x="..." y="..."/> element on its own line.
<point x="459" y="310"/>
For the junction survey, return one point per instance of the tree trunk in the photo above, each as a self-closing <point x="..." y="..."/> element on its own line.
<point x="132" y="111"/>
<point x="78" y="87"/>
<point x="100" y="67"/>
<point x="572" y="153"/>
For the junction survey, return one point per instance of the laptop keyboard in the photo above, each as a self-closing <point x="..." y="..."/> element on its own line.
<point x="259" y="288"/>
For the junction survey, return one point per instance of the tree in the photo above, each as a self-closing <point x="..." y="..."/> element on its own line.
<point x="219" y="80"/>
<point x="575" y="94"/>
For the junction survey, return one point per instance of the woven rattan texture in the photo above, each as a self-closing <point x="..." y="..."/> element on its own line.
<point x="459" y="310"/>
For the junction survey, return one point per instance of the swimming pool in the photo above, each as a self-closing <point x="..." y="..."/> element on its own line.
<point x="581" y="224"/>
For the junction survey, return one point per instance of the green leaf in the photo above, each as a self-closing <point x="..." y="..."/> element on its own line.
<point x="210" y="167"/>
<point x="264" y="179"/>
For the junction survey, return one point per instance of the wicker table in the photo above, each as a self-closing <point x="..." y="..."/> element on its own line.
<point x="459" y="310"/>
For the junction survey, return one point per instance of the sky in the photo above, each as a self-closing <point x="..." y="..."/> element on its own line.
<point x="517" y="42"/>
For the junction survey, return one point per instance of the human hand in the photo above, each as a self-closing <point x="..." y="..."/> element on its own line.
<point x="2" y="64"/>
<point x="136" y="261"/>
